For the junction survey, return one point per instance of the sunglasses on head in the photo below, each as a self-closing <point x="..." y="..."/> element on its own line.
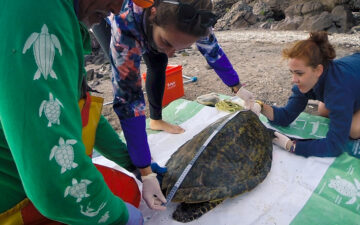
<point x="187" y="14"/>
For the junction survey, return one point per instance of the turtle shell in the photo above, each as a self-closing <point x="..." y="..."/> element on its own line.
<point x="236" y="160"/>
<point x="52" y="111"/>
<point x="64" y="155"/>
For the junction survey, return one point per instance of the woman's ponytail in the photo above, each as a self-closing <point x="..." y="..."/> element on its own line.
<point x="322" y="40"/>
<point x="315" y="50"/>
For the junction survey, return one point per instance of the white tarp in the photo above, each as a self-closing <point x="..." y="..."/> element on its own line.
<point x="277" y="200"/>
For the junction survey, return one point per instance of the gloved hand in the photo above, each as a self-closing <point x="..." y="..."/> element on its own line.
<point x="135" y="216"/>
<point x="160" y="171"/>
<point x="247" y="96"/>
<point x="282" y="141"/>
<point x="151" y="192"/>
<point x="256" y="108"/>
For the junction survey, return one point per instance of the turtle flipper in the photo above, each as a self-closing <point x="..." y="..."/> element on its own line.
<point x="37" y="74"/>
<point x="30" y="41"/>
<point x="187" y="212"/>
<point x="53" y="74"/>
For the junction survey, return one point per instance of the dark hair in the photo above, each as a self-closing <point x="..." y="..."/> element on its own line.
<point x="315" y="50"/>
<point x="167" y="15"/>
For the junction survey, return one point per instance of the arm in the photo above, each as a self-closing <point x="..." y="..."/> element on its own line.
<point x="109" y="144"/>
<point x="340" y="116"/>
<point x="283" y="116"/>
<point x="267" y="111"/>
<point x="129" y="103"/>
<point x="43" y="129"/>
<point x="216" y="58"/>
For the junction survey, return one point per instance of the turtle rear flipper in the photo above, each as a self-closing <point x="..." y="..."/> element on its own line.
<point x="187" y="212"/>
<point x="37" y="74"/>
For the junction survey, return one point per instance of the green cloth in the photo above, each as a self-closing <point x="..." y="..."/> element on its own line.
<point x="42" y="156"/>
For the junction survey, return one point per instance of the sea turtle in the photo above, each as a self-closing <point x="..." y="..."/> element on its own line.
<point x="346" y="188"/>
<point x="236" y="160"/>
<point x="78" y="189"/>
<point x="64" y="154"/>
<point x="51" y="110"/>
<point x="44" y="51"/>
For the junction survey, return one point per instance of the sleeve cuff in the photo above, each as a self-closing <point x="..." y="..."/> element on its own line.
<point x="136" y="138"/>
<point x="225" y="71"/>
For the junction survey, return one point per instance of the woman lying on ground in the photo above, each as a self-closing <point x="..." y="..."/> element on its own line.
<point x="335" y="83"/>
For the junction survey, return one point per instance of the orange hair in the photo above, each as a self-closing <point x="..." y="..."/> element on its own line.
<point x="314" y="51"/>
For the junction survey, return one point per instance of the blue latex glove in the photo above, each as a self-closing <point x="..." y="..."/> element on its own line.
<point x="160" y="171"/>
<point x="135" y="216"/>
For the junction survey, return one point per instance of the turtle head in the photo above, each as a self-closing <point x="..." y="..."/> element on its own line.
<point x="44" y="29"/>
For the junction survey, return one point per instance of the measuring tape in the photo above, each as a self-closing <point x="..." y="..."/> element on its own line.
<point x="191" y="163"/>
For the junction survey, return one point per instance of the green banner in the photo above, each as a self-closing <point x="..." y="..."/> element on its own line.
<point x="353" y="148"/>
<point x="336" y="200"/>
<point x="177" y="112"/>
<point x="306" y="126"/>
<point x="309" y="126"/>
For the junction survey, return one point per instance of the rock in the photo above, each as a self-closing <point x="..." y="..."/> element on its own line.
<point x="278" y="5"/>
<point x="88" y="59"/>
<point x="95" y="83"/>
<point x="294" y="10"/>
<point x="332" y="29"/>
<point x="239" y="16"/>
<point x="330" y="4"/>
<point x="262" y="11"/>
<point x="278" y="8"/>
<point x="354" y="5"/>
<point x="99" y="75"/>
<point x="343" y="18"/>
<point x="289" y="14"/>
<point x="105" y="69"/>
<point x="355" y="30"/>
<point x="290" y="23"/>
<point x="317" y="23"/>
<point x="356" y="16"/>
<point x="268" y="24"/>
<point x="90" y="74"/>
<point x="312" y="8"/>
<point x="221" y="7"/>
<point x="100" y="58"/>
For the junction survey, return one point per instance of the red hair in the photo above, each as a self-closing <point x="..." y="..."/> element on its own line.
<point x="314" y="51"/>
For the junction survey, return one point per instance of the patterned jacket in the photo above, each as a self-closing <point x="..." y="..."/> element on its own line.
<point x="128" y="43"/>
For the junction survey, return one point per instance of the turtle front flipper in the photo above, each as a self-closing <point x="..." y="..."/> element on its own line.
<point x="187" y="212"/>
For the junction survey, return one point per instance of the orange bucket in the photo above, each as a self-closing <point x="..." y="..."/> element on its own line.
<point x="174" y="87"/>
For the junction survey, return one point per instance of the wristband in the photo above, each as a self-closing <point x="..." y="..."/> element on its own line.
<point x="261" y="103"/>
<point x="292" y="148"/>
